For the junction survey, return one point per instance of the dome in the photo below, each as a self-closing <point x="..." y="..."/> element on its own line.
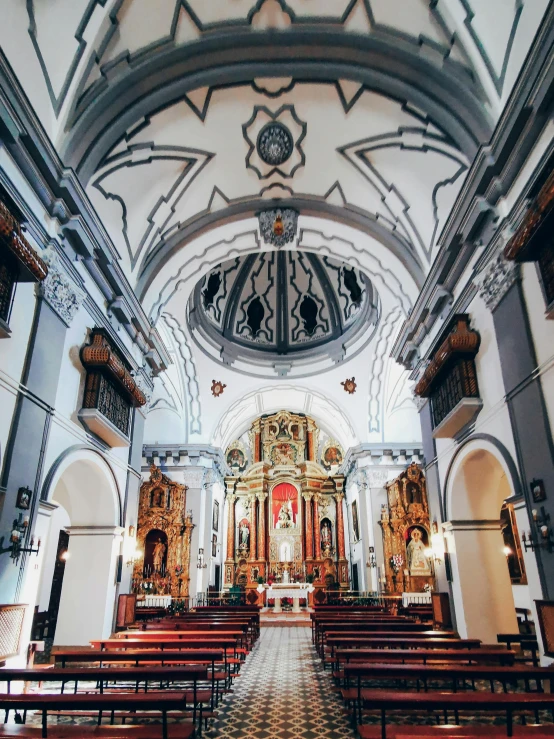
<point x="282" y="309"/>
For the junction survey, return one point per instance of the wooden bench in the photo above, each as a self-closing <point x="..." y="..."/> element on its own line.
<point x="150" y="731"/>
<point x="155" y="702"/>
<point x="172" y="644"/>
<point x="350" y="631"/>
<point x="507" y="703"/>
<point x="450" y="674"/>
<point x="526" y="643"/>
<point x="390" y="644"/>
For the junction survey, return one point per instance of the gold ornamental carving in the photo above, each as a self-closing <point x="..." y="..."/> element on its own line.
<point x="164" y="532"/>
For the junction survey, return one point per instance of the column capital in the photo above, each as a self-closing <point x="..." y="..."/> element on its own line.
<point x="338" y="497"/>
<point x="58" y="289"/>
<point x="497" y="278"/>
<point x="307" y="496"/>
<point x="262" y="496"/>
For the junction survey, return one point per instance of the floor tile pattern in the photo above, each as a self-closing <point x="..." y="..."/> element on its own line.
<point x="282" y="693"/>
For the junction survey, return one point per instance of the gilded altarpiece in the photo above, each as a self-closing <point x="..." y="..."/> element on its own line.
<point x="163" y="534"/>
<point x="285" y="511"/>
<point x="406" y="533"/>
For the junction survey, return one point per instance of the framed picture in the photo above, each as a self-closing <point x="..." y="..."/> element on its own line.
<point x="23" y="499"/>
<point x="355" y="522"/>
<point x="215" y="516"/>
<point x="214" y="545"/>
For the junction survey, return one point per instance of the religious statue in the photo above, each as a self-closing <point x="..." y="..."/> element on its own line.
<point x="413" y="493"/>
<point x="244" y="536"/>
<point x="326" y="537"/>
<point x="417" y="561"/>
<point x="158" y="555"/>
<point x="284" y="520"/>
<point x="286" y="574"/>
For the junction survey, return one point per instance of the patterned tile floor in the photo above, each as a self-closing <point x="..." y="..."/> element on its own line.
<point x="282" y="693"/>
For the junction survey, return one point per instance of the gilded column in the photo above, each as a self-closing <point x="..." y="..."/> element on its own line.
<point x="261" y="526"/>
<point x="309" y="526"/>
<point x="317" y="530"/>
<point x="339" y="497"/>
<point x="253" y="528"/>
<point x="231" y="527"/>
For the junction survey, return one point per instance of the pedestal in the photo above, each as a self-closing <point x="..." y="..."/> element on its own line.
<point x="296" y="605"/>
<point x="277" y="607"/>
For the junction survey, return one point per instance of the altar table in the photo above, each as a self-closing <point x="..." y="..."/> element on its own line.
<point x="296" y="591"/>
<point x="413" y="599"/>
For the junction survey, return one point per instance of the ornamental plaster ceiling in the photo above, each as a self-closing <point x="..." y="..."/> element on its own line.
<point x="159" y="107"/>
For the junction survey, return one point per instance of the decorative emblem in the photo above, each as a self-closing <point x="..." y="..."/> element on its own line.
<point x="217" y="388"/>
<point x="350" y="385"/>
<point x="332" y="455"/>
<point x="274" y="141"/>
<point x="58" y="289"/>
<point x="275" y="144"/>
<point x="279" y="226"/>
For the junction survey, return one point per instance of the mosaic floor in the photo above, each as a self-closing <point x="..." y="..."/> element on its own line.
<point x="282" y="693"/>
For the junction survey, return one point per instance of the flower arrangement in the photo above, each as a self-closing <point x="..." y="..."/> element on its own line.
<point x="396" y="562"/>
<point x="427" y="588"/>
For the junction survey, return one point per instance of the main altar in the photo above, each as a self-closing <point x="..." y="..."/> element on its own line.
<point x="295" y="591"/>
<point x="285" y="500"/>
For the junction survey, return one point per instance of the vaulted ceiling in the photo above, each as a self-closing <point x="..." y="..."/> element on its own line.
<point x="380" y="105"/>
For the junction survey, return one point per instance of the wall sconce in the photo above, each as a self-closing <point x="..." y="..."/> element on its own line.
<point x="542" y="539"/>
<point x="538" y="490"/>
<point x="19" y="529"/>
<point x="201" y="564"/>
<point x="134" y="554"/>
<point x="436" y="551"/>
<point x="371" y="562"/>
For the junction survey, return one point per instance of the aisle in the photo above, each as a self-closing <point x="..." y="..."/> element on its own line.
<point x="282" y="693"/>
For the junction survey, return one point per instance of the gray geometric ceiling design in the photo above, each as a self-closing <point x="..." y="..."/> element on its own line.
<point x="283" y="308"/>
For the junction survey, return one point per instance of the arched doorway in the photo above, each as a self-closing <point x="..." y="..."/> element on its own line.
<point x="82" y="484"/>
<point x="478" y="483"/>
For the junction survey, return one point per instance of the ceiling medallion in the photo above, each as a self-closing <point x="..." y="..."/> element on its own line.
<point x="217" y="388"/>
<point x="275" y="144"/>
<point x="349" y="385"/>
<point x="279" y="226"/>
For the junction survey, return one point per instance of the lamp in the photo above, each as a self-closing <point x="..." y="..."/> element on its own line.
<point x="542" y="538"/>
<point x="437" y="544"/>
<point x="371" y="562"/>
<point x="133" y="552"/>
<point x="200" y="563"/>
<point x="19" y="530"/>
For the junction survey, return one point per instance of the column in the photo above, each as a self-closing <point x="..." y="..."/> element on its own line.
<point x="58" y="300"/>
<point x="339" y="497"/>
<point x="253" y="528"/>
<point x="88" y="591"/>
<point x="502" y="292"/>
<point x="309" y="526"/>
<point x="317" y="530"/>
<point x="261" y="526"/>
<point x="482" y="590"/>
<point x="231" y="498"/>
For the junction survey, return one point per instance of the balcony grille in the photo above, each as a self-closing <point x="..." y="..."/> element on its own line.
<point x="459" y="381"/>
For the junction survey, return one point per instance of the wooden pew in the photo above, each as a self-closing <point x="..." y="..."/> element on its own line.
<point x="64" y="731"/>
<point x="526" y="643"/>
<point x="507" y="703"/>
<point x="378" y="632"/>
<point x="240" y="634"/>
<point x="191" y="642"/>
<point x="155" y="702"/>
<point x="450" y="674"/>
<point x="390" y="643"/>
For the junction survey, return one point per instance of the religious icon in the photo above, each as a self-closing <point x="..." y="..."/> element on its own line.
<point x="215" y="516"/>
<point x="355" y="522"/>
<point x="236" y="459"/>
<point x="283" y="454"/>
<point x="417" y="562"/>
<point x="332" y="455"/>
<point x="284" y="506"/>
<point x="413" y="493"/>
<point x="284" y="520"/>
<point x="23" y="499"/>
<point x="214" y="545"/>
<point x="158" y="555"/>
<point x="244" y="535"/>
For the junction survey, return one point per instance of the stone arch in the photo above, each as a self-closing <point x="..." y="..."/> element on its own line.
<point x="82" y="482"/>
<point x="478" y="481"/>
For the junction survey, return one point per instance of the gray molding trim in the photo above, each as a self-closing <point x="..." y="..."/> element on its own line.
<point x="158" y="78"/>
<point x="64" y="199"/>
<point x="507" y="457"/>
<point x="473" y="219"/>
<point x="377" y="451"/>
<point x="194" y="452"/>
<point x="248" y="208"/>
<point x="47" y="483"/>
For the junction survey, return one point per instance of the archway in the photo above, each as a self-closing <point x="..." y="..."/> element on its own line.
<point x="478" y="483"/>
<point x="83" y="485"/>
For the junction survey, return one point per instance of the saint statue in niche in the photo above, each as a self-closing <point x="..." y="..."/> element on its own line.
<point x="413" y="493"/>
<point x="244" y="536"/>
<point x="158" y="555"/>
<point x="284" y="520"/>
<point x="418" y="563"/>
<point x="326" y="537"/>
